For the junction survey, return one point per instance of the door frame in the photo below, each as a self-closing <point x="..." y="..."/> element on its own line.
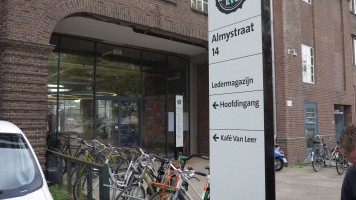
<point x="307" y="124"/>
<point x="339" y="127"/>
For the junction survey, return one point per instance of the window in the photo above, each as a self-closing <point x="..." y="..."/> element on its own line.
<point x="308" y="64"/>
<point x="24" y="175"/>
<point x="120" y="95"/>
<point x="200" y="5"/>
<point x="352" y="6"/>
<point x="308" y="1"/>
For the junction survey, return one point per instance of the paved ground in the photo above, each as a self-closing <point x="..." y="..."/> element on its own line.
<point x="303" y="183"/>
<point x="292" y="183"/>
<point x="296" y="182"/>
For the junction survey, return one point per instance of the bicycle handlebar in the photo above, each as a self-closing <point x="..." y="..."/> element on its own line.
<point x="82" y="141"/>
<point x="158" y="158"/>
<point x="183" y="159"/>
<point x="201" y="173"/>
<point x="186" y="158"/>
<point x="139" y="149"/>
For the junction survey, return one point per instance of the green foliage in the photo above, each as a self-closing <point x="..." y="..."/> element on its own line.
<point x="58" y="194"/>
<point x="300" y="164"/>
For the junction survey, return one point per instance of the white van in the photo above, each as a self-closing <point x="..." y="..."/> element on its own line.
<point x="21" y="176"/>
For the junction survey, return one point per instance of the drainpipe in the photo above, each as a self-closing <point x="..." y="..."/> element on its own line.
<point x="354" y="114"/>
<point x="273" y="78"/>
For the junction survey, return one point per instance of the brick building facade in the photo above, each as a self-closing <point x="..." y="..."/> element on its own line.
<point x="324" y="26"/>
<point x="26" y="27"/>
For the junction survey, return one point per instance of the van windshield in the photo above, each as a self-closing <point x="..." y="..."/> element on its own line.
<point x="20" y="174"/>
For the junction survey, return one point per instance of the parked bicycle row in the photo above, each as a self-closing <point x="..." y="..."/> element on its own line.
<point x="133" y="173"/>
<point x="322" y="155"/>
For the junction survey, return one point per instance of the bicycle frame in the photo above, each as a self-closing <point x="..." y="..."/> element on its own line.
<point x="334" y="154"/>
<point x="184" y="176"/>
<point x="144" y="175"/>
<point x="115" y="183"/>
<point x="148" y="178"/>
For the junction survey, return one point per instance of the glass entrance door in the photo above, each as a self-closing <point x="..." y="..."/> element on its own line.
<point x="119" y="120"/>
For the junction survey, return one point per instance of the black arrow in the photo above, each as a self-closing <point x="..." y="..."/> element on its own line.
<point x="215" y="104"/>
<point x="215" y="137"/>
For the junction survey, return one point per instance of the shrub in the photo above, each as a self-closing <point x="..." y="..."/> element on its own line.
<point x="58" y="194"/>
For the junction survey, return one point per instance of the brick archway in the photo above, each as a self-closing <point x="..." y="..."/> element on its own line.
<point x="79" y="7"/>
<point x="148" y="16"/>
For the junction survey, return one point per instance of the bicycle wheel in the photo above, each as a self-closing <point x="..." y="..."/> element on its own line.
<point x="162" y="196"/>
<point x="327" y="157"/>
<point x="278" y="164"/>
<point x="118" y="166"/>
<point x="80" y="188"/>
<point x="346" y="162"/>
<point x="73" y="174"/>
<point x="316" y="162"/>
<point x="181" y="194"/>
<point x="97" y="158"/>
<point x="132" y="192"/>
<point x="340" y="164"/>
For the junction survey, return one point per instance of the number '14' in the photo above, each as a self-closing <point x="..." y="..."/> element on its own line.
<point x="215" y="51"/>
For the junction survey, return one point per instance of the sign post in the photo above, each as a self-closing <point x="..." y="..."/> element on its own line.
<point x="241" y="100"/>
<point x="179" y="131"/>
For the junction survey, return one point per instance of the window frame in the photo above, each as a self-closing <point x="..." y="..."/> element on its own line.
<point x="354" y="50"/>
<point x="307" y="1"/>
<point x="194" y="5"/>
<point x="308" y="64"/>
<point x="352" y="4"/>
<point x="310" y="108"/>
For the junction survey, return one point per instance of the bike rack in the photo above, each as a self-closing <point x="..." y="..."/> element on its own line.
<point x="58" y="172"/>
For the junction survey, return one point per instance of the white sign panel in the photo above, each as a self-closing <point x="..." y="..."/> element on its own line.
<point x="236" y="89"/>
<point x="179" y="121"/>
<point x="237" y="111"/>
<point x="236" y="75"/>
<point x="232" y="42"/>
<point x="240" y="154"/>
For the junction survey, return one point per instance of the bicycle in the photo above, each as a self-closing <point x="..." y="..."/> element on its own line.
<point x="334" y="154"/>
<point x="118" y="161"/>
<point x="341" y="163"/>
<point x="144" y="176"/>
<point x="180" y="190"/>
<point x="176" y="182"/>
<point x="88" y="153"/>
<point x="118" y="180"/>
<point x="83" y="150"/>
<point x="319" y="155"/>
<point x="64" y="145"/>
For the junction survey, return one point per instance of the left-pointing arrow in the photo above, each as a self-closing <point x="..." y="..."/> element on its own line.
<point x="215" y="104"/>
<point x="215" y="137"/>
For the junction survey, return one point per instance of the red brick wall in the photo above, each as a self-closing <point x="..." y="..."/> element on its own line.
<point x="325" y="26"/>
<point x="280" y="67"/>
<point x="23" y="71"/>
